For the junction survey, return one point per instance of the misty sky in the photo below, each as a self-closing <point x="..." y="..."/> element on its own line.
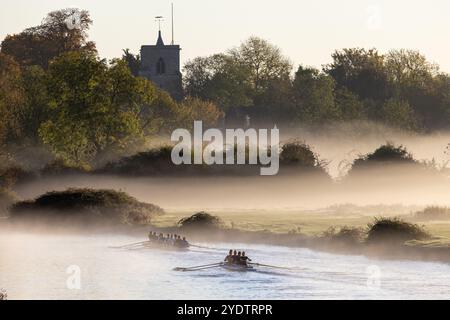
<point x="306" y="31"/>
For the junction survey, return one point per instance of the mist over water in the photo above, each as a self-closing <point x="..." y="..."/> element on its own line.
<point x="35" y="267"/>
<point x="340" y="144"/>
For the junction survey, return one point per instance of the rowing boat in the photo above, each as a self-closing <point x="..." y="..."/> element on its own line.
<point x="164" y="245"/>
<point x="237" y="267"/>
<point x="230" y="267"/>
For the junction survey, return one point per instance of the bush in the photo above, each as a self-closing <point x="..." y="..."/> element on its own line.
<point x="434" y="213"/>
<point x="298" y="157"/>
<point x="394" y="230"/>
<point x="387" y="153"/>
<point x="298" y="153"/>
<point x="200" y="220"/>
<point x="90" y="204"/>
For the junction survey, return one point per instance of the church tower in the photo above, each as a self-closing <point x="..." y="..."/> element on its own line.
<point x="160" y="64"/>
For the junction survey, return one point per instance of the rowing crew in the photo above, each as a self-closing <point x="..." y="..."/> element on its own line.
<point x="237" y="258"/>
<point x="169" y="239"/>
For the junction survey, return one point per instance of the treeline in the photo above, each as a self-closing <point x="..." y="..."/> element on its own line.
<point x="55" y="90"/>
<point x="401" y="88"/>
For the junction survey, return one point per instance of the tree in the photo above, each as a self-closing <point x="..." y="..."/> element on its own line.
<point x="313" y="92"/>
<point x="93" y="108"/>
<point x="349" y="104"/>
<point x="417" y="81"/>
<point x="11" y="98"/>
<point x="133" y="61"/>
<point x="61" y="31"/>
<point x="360" y="71"/>
<point x="263" y="61"/>
<point x="194" y="109"/>
<point x="409" y="68"/>
<point x="277" y="101"/>
<point x="398" y="113"/>
<point x="35" y="109"/>
<point x="218" y="78"/>
<point x="97" y="110"/>
<point x="238" y="78"/>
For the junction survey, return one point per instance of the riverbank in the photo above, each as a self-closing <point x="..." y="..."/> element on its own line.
<point x="436" y="249"/>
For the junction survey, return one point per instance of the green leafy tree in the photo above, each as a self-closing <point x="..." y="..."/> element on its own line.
<point x="98" y="110"/>
<point x="360" y="71"/>
<point x="238" y="78"/>
<point x="349" y="104"/>
<point x="409" y="69"/>
<point x="218" y="78"/>
<point x="133" y="61"/>
<point x="194" y="109"/>
<point x="277" y="101"/>
<point x="313" y="92"/>
<point x="93" y="107"/>
<point x="263" y="61"/>
<point x="398" y="113"/>
<point x="35" y="109"/>
<point x="417" y="81"/>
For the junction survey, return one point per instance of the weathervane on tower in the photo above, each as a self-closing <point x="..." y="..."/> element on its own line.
<point x="159" y="19"/>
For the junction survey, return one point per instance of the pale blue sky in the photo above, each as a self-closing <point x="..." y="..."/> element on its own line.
<point x="306" y="31"/>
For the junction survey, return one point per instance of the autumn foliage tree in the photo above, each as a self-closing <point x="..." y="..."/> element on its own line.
<point x="61" y="31"/>
<point x="12" y="98"/>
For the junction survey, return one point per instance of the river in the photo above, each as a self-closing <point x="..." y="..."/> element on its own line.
<point x="55" y="266"/>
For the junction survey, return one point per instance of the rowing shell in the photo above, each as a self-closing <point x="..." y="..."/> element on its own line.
<point x="237" y="267"/>
<point x="165" y="246"/>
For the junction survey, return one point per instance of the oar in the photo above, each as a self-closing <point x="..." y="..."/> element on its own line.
<point x="269" y="266"/>
<point x="130" y="245"/>
<point x="205" y="266"/>
<point x="202" y="247"/>
<point x="197" y="269"/>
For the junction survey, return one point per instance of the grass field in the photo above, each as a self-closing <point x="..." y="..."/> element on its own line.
<point x="310" y="223"/>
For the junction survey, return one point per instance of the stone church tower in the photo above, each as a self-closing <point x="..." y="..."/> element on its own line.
<point x="160" y="64"/>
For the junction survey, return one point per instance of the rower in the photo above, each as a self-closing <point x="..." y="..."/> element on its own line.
<point x="244" y="258"/>
<point x="178" y="242"/>
<point x="238" y="258"/>
<point x="229" y="257"/>
<point x="185" y="242"/>
<point x="234" y="257"/>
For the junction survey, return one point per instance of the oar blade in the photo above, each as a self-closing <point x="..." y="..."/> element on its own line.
<point x="202" y="267"/>
<point x="269" y="266"/>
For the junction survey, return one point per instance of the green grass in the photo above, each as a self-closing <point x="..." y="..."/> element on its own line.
<point x="311" y="223"/>
<point x="308" y="222"/>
